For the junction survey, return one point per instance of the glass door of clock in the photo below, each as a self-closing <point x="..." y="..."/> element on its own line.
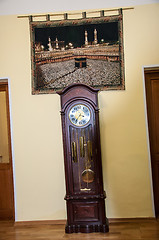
<point x="82" y="159"/>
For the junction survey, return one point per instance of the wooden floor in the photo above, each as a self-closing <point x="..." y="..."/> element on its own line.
<point x="126" y="230"/>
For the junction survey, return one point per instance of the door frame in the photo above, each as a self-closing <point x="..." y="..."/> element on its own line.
<point x="5" y="81"/>
<point x="146" y="69"/>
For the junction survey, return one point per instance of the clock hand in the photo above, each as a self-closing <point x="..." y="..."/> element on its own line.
<point x="78" y="117"/>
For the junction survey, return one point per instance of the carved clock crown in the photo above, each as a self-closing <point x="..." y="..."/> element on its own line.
<point x="78" y="91"/>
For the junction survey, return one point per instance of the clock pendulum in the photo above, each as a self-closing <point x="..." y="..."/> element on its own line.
<point x="85" y="196"/>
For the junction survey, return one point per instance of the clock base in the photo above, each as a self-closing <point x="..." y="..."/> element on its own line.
<point x="87" y="228"/>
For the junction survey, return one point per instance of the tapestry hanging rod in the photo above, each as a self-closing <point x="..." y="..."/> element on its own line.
<point x="65" y="15"/>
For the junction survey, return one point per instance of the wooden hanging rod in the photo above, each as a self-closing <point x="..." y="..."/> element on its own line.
<point x="62" y="14"/>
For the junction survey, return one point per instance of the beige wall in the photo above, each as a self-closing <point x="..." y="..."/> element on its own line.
<point x="36" y="126"/>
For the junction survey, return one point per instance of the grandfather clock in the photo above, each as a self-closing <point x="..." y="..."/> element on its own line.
<point x="85" y="196"/>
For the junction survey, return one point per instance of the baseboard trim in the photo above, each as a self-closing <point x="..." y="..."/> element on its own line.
<point x="40" y="222"/>
<point x="135" y="219"/>
<point x="63" y="221"/>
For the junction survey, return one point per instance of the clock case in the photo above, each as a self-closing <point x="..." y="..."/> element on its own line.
<point x="85" y="197"/>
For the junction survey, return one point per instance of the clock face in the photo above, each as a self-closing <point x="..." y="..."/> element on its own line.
<point x="79" y="115"/>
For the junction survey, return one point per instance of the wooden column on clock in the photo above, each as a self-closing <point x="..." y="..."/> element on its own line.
<point x="85" y="196"/>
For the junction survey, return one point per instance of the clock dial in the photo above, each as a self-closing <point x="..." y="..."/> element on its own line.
<point x="79" y="115"/>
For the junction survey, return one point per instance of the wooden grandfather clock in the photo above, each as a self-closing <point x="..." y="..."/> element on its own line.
<point x="85" y="196"/>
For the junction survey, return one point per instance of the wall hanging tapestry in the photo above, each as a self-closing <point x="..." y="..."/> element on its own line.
<point x="87" y="50"/>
